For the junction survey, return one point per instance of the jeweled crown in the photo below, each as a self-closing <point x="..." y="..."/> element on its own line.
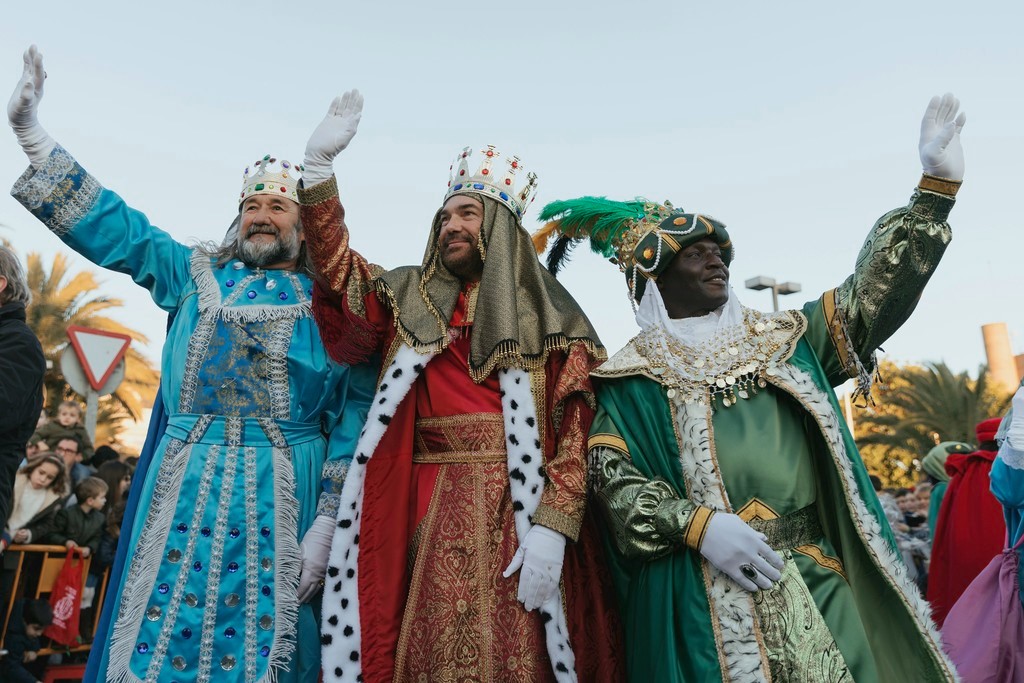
<point x="491" y="182"/>
<point x="270" y="176"/>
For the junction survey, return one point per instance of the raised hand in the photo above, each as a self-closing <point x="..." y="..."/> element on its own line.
<point x="333" y="135"/>
<point x="23" y="108"/>
<point x="941" y="152"/>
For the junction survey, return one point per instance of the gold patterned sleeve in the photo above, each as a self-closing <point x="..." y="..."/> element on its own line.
<point x="647" y="518"/>
<point x="898" y="258"/>
<point x="351" y="326"/>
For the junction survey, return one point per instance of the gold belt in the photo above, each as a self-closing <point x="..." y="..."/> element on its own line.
<point x="790" y="531"/>
<point x="467" y="438"/>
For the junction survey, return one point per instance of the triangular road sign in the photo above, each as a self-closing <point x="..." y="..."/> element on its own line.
<point x="98" y="351"/>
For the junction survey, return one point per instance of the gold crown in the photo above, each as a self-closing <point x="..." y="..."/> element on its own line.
<point x="268" y="176"/>
<point x="489" y="183"/>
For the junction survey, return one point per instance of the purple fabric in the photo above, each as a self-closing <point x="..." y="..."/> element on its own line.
<point x="984" y="631"/>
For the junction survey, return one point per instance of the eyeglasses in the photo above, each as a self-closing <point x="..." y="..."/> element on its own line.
<point x="65" y="451"/>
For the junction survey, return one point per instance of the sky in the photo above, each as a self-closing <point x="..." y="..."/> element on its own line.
<point x="796" y="124"/>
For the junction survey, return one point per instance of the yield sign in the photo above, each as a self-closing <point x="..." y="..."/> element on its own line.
<point x="98" y="351"/>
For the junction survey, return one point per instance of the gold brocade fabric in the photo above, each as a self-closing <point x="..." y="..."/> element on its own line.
<point x="470" y="437"/>
<point x="522" y="312"/>
<point x="462" y="619"/>
<point x="799" y="645"/>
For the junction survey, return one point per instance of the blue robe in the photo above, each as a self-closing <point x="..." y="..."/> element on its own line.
<point x="260" y="428"/>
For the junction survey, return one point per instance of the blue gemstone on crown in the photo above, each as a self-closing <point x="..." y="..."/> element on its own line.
<point x="503" y="196"/>
<point x="457" y="187"/>
<point x="478" y="186"/>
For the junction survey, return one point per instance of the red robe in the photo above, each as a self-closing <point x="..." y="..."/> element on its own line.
<point x="408" y="617"/>
<point x="970" y="531"/>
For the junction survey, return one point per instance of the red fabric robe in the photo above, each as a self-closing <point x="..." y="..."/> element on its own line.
<point x="397" y="492"/>
<point x="970" y="531"/>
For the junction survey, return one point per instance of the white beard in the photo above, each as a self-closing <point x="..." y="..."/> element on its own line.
<point x="262" y="254"/>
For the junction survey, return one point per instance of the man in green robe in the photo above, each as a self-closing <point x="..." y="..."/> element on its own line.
<point x="746" y="540"/>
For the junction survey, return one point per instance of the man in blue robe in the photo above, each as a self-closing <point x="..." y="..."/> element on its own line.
<point x="260" y="427"/>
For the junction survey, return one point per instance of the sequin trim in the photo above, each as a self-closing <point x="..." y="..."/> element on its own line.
<point x="148" y="553"/>
<point x="198" y="347"/>
<point x="166" y="629"/>
<point x="333" y="476"/>
<point x="36" y="185"/>
<point x="60" y="193"/>
<point x="252" y="550"/>
<point x="215" y="561"/>
<point x="277" y="368"/>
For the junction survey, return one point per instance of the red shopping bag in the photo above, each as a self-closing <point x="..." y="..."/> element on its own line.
<point x="66" y="600"/>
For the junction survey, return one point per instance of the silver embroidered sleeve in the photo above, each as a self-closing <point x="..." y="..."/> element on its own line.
<point x="60" y="193"/>
<point x="895" y="263"/>
<point x="646" y="516"/>
<point x="334" y="474"/>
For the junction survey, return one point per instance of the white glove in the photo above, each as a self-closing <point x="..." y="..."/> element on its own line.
<point x="316" y="547"/>
<point x="540" y="556"/>
<point x="1015" y="433"/>
<point x="941" y="152"/>
<point x="331" y="137"/>
<point x="731" y="545"/>
<point x="23" y="107"/>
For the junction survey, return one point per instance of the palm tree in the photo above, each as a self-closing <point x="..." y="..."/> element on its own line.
<point x="61" y="298"/>
<point x="918" y="407"/>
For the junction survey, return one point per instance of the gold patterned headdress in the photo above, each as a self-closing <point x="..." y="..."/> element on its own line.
<point x="640" y="236"/>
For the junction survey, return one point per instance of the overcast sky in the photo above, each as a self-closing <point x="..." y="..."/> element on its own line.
<point x="794" y="123"/>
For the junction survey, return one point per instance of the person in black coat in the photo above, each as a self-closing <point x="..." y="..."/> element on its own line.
<point x="28" y="620"/>
<point x="22" y="367"/>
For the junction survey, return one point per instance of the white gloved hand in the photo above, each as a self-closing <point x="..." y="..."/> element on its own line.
<point x="1015" y="434"/>
<point x="540" y="557"/>
<point x="23" y="108"/>
<point x="941" y="152"/>
<point x="331" y="137"/>
<point x="316" y="547"/>
<point x="730" y="545"/>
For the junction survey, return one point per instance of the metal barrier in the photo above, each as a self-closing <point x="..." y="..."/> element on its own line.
<point x="36" y="568"/>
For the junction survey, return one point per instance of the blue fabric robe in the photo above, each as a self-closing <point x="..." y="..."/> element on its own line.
<point x="260" y="428"/>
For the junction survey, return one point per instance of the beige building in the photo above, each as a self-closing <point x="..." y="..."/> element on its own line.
<point x="1004" y="368"/>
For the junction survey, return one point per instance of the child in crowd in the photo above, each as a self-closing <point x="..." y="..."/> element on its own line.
<point x="38" y="495"/>
<point x="19" y="665"/>
<point x="81" y="525"/>
<point x="68" y="422"/>
<point x="118" y="477"/>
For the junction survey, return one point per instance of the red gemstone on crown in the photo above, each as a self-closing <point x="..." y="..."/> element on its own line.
<point x="490" y="153"/>
<point x="485" y="171"/>
<point x="508" y="181"/>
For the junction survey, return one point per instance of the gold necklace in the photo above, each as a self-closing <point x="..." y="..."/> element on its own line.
<point x="731" y="365"/>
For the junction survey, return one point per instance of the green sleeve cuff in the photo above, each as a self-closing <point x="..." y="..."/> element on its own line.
<point x="931" y="206"/>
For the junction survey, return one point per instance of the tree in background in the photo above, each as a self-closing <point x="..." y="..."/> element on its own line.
<point x="61" y="298"/>
<point x="917" y="407"/>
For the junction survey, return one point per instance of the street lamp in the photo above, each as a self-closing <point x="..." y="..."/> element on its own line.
<point x="764" y="282"/>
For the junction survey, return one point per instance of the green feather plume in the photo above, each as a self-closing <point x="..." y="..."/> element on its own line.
<point x="601" y="220"/>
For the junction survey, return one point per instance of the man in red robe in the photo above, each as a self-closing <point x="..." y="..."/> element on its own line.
<point x="971" y="530"/>
<point x="468" y="488"/>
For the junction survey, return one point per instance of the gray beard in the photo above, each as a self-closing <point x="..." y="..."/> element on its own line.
<point x="260" y="255"/>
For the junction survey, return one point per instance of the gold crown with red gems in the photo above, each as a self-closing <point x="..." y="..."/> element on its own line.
<point x="269" y="176"/>
<point x="490" y="182"/>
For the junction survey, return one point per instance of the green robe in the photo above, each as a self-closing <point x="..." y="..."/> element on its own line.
<point x="844" y="609"/>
